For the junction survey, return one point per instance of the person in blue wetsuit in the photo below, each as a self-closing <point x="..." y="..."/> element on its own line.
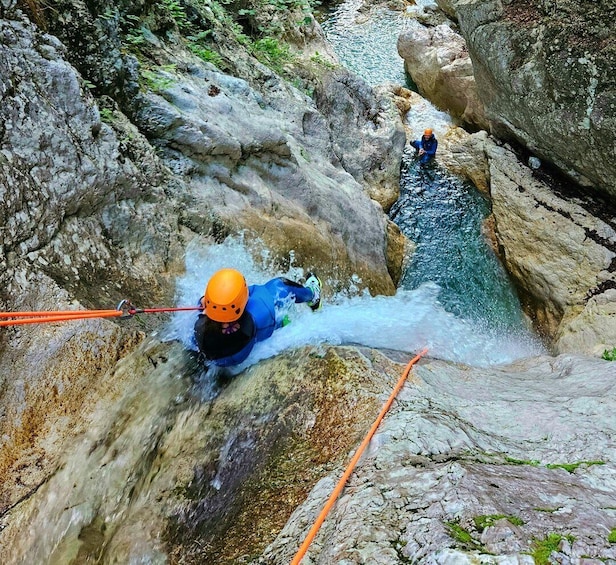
<point x="236" y="316"/>
<point x="426" y="146"/>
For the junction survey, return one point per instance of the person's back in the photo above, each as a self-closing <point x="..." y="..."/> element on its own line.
<point x="216" y="341"/>
<point x="236" y="316"/>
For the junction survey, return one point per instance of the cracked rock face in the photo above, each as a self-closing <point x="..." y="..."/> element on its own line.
<point x="277" y="165"/>
<point x="471" y="466"/>
<point x="558" y="244"/>
<point x="438" y="61"/>
<point x="559" y="252"/>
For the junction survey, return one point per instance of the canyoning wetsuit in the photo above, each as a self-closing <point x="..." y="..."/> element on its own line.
<point x="230" y="343"/>
<point x="428" y="145"/>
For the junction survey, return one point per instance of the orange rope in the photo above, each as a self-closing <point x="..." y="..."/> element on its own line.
<point x="50" y="313"/>
<point x="41" y="317"/>
<point x="79" y="315"/>
<point x="341" y="483"/>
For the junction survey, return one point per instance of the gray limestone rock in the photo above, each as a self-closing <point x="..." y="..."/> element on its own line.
<point x="437" y="59"/>
<point x="544" y="74"/>
<point x="471" y="466"/>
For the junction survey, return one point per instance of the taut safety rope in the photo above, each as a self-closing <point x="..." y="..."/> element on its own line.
<point x="124" y="310"/>
<point x="342" y="482"/>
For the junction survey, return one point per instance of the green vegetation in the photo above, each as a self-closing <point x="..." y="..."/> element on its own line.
<point x="541" y="549"/>
<point x="462" y="536"/>
<point x="571" y="467"/>
<point x="612" y="537"/>
<point x="258" y="25"/>
<point x="177" y="13"/>
<point x="320" y="60"/>
<point x="156" y="81"/>
<point x="609" y="355"/>
<point x="106" y="115"/>
<point x="272" y="53"/>
<point x="483" y="522"/>
<point x="513" y="461"/>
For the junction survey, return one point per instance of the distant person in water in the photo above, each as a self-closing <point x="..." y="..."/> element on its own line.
<point x="236" y="316"/>
<point x="426" y="146"/>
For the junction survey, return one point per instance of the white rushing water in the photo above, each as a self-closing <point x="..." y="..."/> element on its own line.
<point x="408" y="321"/>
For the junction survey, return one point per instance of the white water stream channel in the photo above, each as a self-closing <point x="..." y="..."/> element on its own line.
<point x="455" y="297"/>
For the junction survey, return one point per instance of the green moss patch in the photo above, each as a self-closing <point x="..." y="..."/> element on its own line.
<point x="485" y="521"/>
<point x="462" y="536"/>
<point x="571" y="467"/>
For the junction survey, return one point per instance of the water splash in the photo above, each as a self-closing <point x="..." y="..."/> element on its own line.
<point x="408" y="321"/>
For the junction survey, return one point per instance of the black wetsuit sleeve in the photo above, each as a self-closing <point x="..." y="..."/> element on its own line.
<point x="214" y="344"/>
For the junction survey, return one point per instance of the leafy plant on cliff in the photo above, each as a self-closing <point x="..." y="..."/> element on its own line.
<point x="177" y="12"/>
<point x="612" y="537"/>
<point x="106" y="115"/>
<point x="198" y="45"/>
<point x="542" y="549"/>
<point x="155" y="80"/>
<point x="272" y="53"/>
<point x="609" y="355"/>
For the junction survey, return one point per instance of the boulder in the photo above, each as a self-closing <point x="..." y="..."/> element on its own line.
<point x="544" y="74"/>
<point x="437" y="60"/>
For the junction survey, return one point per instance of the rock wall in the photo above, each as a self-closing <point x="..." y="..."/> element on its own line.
<point x="556" y="237"/>
<point x="476" y="467"/>
<point x="558" y="245"/>
<point x="545" y="74"/>
<point x="468" y="464"/>
<point x="560" y="252"/>
<point x="438" y="62"/>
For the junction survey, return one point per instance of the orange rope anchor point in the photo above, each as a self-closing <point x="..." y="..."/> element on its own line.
<point x="345" y="477"/>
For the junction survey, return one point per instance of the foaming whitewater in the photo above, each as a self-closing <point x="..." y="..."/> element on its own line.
<point x="408" y="321"/>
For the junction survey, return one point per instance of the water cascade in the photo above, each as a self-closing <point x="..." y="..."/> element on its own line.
<point x="455" y="297"/>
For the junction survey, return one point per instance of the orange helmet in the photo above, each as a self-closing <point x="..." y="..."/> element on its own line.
<point x="428" y="132"/>
<point x="226" y="295"/>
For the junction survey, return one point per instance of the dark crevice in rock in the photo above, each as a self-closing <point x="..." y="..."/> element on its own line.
<point x="5" y="510"/>
<point x="601" y="288"/>
<point x="594" y="202"/>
